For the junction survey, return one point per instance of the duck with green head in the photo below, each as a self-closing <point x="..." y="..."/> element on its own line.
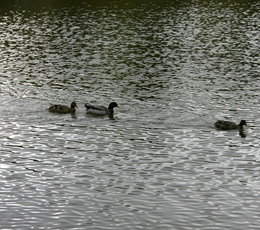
<point x="101" y="110"/>
<point x="228" y="125"/>
<point x="63" y="108"/>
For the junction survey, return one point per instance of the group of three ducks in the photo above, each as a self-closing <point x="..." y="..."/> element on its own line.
<point x="102" y="110"/>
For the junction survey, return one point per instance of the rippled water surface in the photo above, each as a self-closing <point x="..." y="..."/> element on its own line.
<point x="174" y="68"/>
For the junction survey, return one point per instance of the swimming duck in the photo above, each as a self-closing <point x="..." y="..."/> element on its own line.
<point x="63" y="108"/>
<point x="227" y="125"/>
<point x="101" y="110"/>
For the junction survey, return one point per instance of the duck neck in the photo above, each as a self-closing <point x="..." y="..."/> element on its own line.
<point x="111" y="111"/>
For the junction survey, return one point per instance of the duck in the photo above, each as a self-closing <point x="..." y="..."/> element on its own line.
<point x="101" y="110"/>
<point x="63" y="108"/>
<point x="228" y="125"/>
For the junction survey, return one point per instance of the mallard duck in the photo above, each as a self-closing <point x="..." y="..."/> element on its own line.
<point x="227" y="125"/>
<point x="101" y="110"/>
<point x="63" y="108"/>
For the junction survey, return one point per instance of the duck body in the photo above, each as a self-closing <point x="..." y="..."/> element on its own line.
<point x="228" y="125"/>
<point x="101" y="110"/>
<point x="63" y="108"/>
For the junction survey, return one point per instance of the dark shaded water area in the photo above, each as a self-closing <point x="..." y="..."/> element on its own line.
<point x="174" y="67"/>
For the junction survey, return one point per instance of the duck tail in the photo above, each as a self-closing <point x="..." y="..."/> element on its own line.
<point x="55" y="107"/>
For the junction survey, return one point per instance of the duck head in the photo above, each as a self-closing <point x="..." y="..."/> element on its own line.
<point x="242" y="122"/>
<point x="73" y="105"/>
<point x="113" y="105"/>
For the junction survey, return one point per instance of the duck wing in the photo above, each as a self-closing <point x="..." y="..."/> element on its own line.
<point x="95" y="109"/>
<point x="59" y="108"/>
<point x="226" y="125"/>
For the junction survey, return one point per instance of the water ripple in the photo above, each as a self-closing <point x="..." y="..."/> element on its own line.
<point x="174" y="68"/>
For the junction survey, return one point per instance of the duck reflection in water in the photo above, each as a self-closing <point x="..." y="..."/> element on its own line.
<point x="242" y="133"/>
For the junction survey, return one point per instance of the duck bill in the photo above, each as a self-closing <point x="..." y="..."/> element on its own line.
<point x="118" y="106"/>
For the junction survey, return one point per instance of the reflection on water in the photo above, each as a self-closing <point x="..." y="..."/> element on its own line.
<point x="174" y="68"/>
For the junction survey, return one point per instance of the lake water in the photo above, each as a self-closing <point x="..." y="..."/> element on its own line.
<point x="174" y="67"/>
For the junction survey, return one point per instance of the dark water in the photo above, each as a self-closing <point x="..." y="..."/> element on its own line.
<point x="174" y="68"/>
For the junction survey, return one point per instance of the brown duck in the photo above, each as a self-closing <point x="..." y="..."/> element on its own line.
<point x="63" y="108"/>
<point x="227" y="125"/>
